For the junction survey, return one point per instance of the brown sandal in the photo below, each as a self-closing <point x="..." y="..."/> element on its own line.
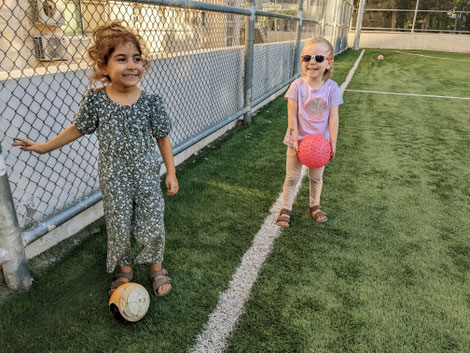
<point x="318" y="214"/>
<point x="113" y="286"/>
<point x="285" y="216"/>
<point x="158" y="282"/>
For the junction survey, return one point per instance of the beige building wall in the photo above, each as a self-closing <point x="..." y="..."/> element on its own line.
<point x="13" y="51"/>
<point x="417" y="41"/>
<point x="167" y="31"/>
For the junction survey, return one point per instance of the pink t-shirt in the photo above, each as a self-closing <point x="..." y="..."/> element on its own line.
<point x="313" y="108"/>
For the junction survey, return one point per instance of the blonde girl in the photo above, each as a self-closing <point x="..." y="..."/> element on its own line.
<point x="127" y="122"/>
<point x="312" y="108"/>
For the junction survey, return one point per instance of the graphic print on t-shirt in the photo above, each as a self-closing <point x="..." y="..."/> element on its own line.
<point x="316" y="108"/>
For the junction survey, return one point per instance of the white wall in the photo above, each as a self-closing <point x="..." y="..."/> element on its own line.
<point x="408" y="40"/>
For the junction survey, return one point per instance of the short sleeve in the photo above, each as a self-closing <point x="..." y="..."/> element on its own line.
<point x="86" y="118"/>
<point x="159" y="120"/>
<point x="335" y="96"/>
<point x="292" y="92"/>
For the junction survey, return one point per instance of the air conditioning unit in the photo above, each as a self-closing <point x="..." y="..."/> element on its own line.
<point x="51" y="47"/>
<point x="49" y="12"/>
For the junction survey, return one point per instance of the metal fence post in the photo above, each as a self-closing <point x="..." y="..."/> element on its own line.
<point x="346" y="19"/>
<point x="249" y="56"/>
<point x="360" y="15"/>
<point x="323" y="21"/>
<point x="350" y="19"/>
<point x="335" y="26"/>
<point x="15" y="268"/>
<point x="298" y="38"/>
<point x="414" y="17"/>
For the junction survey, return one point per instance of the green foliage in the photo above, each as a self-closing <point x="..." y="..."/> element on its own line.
<point x="435" y="21"/>
<point x="461" y="5"/>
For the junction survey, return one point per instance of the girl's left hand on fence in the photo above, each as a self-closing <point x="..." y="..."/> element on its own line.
<point x="28" y="145"/>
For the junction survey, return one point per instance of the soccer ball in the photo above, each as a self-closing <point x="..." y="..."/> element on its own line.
<point x="129" y="302"/>
<point x="314" y="151"/>
<point x="380" y="57"/>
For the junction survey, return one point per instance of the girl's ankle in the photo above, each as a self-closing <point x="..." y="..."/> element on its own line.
<point x="126" y="269"/>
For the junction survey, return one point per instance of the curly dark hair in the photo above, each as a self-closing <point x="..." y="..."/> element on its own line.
<point x="106" y="39"/>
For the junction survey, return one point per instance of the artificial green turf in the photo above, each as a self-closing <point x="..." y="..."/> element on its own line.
<point x="436" y="73"/>
<point x="389" y="272"/>
<point x="226" y="191"/>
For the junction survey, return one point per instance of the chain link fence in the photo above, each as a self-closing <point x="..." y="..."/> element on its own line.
<point x="416" y="16"/>
<point x="198" y="63"/>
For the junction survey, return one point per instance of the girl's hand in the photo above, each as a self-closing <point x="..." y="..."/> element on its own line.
<point x="295" y="144"/>
<point x="333" y="150"/>
<point x="171" y="185"/>
<point x="295" y="141"/>
<point x="28" y="145"/>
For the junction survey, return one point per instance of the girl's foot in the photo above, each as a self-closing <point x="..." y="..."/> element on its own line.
<point x="317" y="214"/>
<point x="126" y="275"/>
<point x="284" y="218"/>
<point x="161" y="281"/>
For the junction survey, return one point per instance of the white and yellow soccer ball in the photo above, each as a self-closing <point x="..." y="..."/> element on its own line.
<point x="380" y="57"/>
<point x="129" y="302"/>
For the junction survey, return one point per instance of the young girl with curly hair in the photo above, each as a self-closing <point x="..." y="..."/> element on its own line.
<point x="129" y="124"/>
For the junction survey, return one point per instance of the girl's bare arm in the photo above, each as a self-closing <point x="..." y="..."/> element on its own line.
<point x="333" y="126"/>
<point x="292" y="122"/>
<point x="65" y="137"/>
<point x="166" y="151"/>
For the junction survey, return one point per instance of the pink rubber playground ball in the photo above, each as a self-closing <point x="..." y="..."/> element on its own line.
<point x="314" y="151"/>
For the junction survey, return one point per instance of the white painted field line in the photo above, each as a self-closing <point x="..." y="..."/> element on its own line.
<point x="433" y="57"/>
<point x="406" y="94"/>
<point x="351" y="72"/>
<point x="232" y="302"/>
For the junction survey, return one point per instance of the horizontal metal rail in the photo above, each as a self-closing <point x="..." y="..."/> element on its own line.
<point x="197" y="5"/>
<point x="382" y="29"/>
<point x="421" y="10"/>
<point x="441" y="30"/>
<point x="60" y="218"/>
<point x="194" y="5"/>
<point x="280" y="15"/>
<point x="68" y="213"/>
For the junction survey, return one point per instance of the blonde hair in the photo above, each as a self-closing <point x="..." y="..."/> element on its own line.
<point x="106" y="39"/>
<point x="331" y="53"/>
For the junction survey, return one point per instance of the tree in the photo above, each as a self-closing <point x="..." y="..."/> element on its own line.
<point x="449" y="20"/>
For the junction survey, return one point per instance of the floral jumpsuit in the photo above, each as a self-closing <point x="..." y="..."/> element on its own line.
<point x="129" y="172"/>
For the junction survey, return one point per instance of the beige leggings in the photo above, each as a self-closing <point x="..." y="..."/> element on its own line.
<point x="293" y="170"/>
